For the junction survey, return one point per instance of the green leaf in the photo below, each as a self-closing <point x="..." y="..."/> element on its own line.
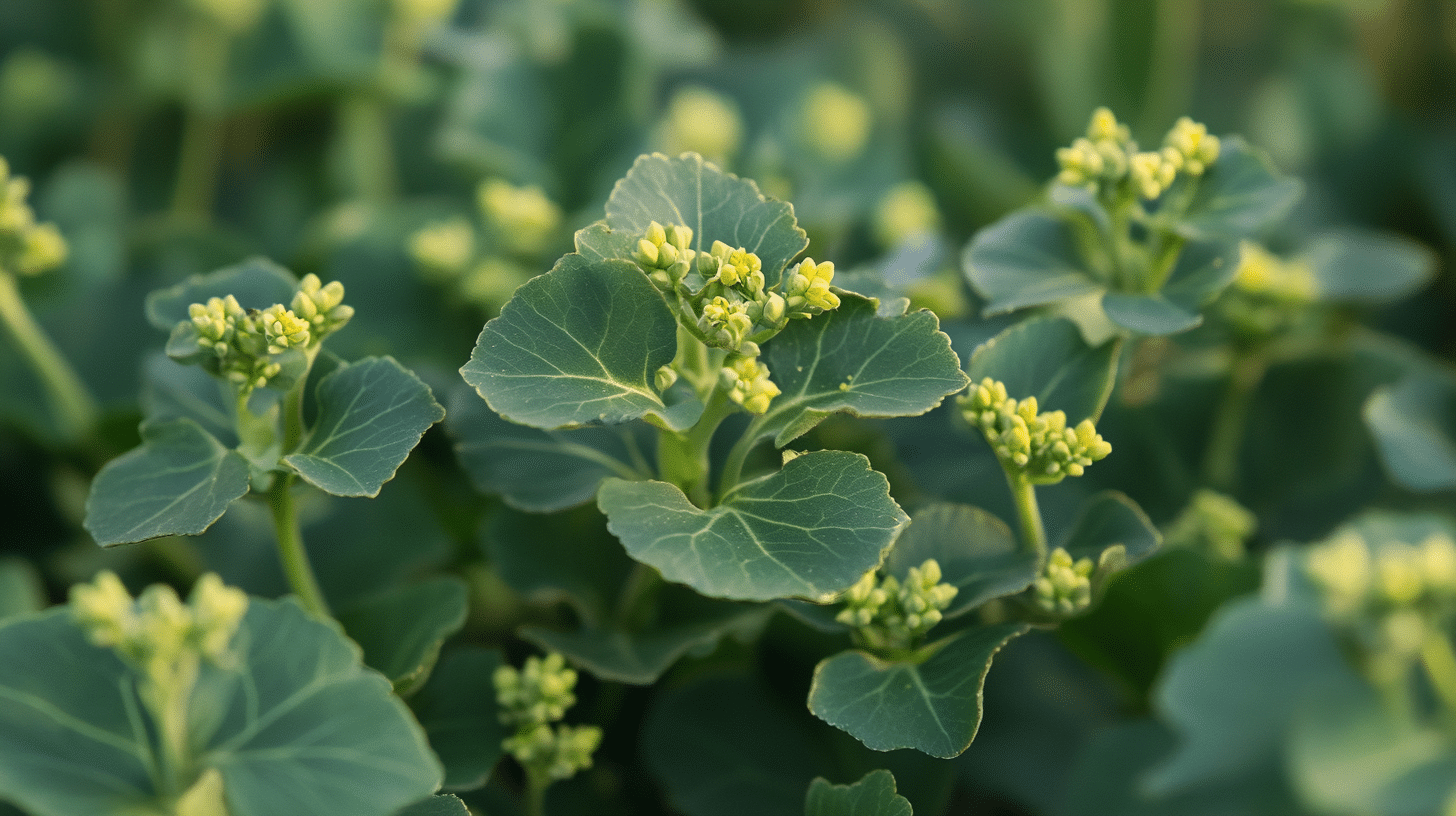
<point x="401" y="630"/>
<point x="1351" y="753"/>
<point x="257" y="283"/>
<point x="1232" y="693"/>
<point x="874" y="795"/>
<point x="599" y="243"/>
<point x="171" y="390"/>
<point x="178" y="482"/>
<point x="1239" y="194"/>
<point x="297" y="726"/>
<point x="1027" y="258"/>
<point x="536" y="470"/>
<point x="855" y="361"/>
<point x="442" y="805"/>
<point x="1047" y="359"/>
<point x="1372" y="267"/>
<point x="565" y="557"/>
<point x="976" y="551"/>
<point x="933" y="707"/>
<point x="457" y="707"/>
<point x="371" y="414"/>
<point x="809" y="530"/>
<point x="717" y="206"/>
<point x="1203" y="269"/>
<point x="580" y="344"/>
<point x="1148" y="314"/>
<point x="21" y="590"/>
<point x="1414" y="425"/>
<point x="1110" y="519"/>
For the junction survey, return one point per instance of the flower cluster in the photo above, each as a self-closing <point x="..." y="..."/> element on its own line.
<point x="26" y="248"/>
<point x="532" y="699"/>
<point x="1064" y="586"/>
<point x="1038" y="445"/>
<point x="724" y="300"/>
<point x="1107" y="158"/>
<point x="1214" y="523"/>
<point x="242" y="346"/>
<point x="156" y="632"/>
<point x="888" y="615"/>
<point x="835" y="122"/>
<point x="702" y="121"/>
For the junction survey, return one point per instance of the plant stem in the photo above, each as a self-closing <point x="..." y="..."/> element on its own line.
<point x="367" y="146"/>
<point x="202" y="131"/>
<point x="733" y="468"/>
<point x="291" y="552"/>
<point x="1221" y="456"/>
<point x="1033" y="533"/>
<point x="682" y="458"/>
<point x="74" y="407"/>
<point x="1440" y="664"/>
<point x="536" y="785"/>
<point x="635" y="605"/>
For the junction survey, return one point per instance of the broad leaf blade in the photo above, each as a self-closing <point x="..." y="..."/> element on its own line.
<point x="933" y="707"/>
<point x="717" y="206"/>
<point x="21" y="589"/>
<point x="976" y="551"/>
<point x="171" y="390"/>
<point x="458" y="710"/>
<point x="1111" y="519"/>
<point x="257" y="283"/>
<point x="565" y="557"/>
<point x="1149" y="314"/>
<point x="1026" y="259"/>
<point x="401" y="631"/>
<point x="1238" y="195"/>
<point x="1414" y="425"/>
<point x="442" y="805"/>
<point x="810" y="530"/>
<point x="371" y="414"/>
<point x="535" y="470"/>
<point x="1371" y="267"/>
<point x="874" y="795"/>
<point x="580" y="344"/>
<point x="1047" y="359"/>
<point x="855" y="361"/>
<point x="178" y="482"/>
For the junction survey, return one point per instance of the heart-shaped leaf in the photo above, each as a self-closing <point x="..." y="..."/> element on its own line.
<point x="542" y="471"/>
<point x="809" y="530"/>
<point x="717" y="206"/>
<point x="874" y="795"/>
<point x="178" y="482"/>
<point x="1028" y="258"/>
<point x="257" y="283"/>
<point x="976" y="551"/>
<point x="371" y="414"/>
<point x="1047" y="359"/>
<point x="933" y="707"/>
<point x="1414" y="425"/>
<point x="457" y="707"/>
<point x="853" y="360"/>
<point x="1238" y="195"/>
<point x="401" y="630"/>
<point x="297" y="726"/>
<point x="580" y="344"/>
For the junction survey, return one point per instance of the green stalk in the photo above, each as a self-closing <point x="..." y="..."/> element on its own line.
<point x="1033" y="532"/>
<point x="202" y="131"/>
<point x="367" y="147"/>
<point x="291" y="552"/>
<point x="1440" y="664"/>
<point x="733" y="468"/>
<point x="1174" y="62"/>
<point x="537" y="781"/>
<point x="72" y="403"/>
<point x="1221" y="456"/>
<point x="682" y="458"/>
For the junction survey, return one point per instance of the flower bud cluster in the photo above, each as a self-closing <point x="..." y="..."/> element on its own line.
<point x="747" y="383"/>
<point x="1038" y="445"/>
<point x="532" y="699"/>
<point x="156" y="632"/>
<point x="26" y="248"/>
<point x="835" y="122"/>
<point x="888" y="615"/>
<point x="443" y="250"/>
<point x="523" y="219"/>
<point x="665" y="255"/>
<point x="1064" y="587"/>
<point x="701" y="121"/>
<point x="1107" y="157"/>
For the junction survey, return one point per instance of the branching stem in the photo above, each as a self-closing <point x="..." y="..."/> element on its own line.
<point x="75" y="409"/>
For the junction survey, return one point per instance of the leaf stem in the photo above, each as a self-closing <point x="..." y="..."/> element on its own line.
<point x="1033" y="532"/>
<point x="682" y="458"/>
<point x="291" y="552"/>
<point x="75" y="409"/>
<point x="733" y="468"/>
<point x="1221" y="456"/>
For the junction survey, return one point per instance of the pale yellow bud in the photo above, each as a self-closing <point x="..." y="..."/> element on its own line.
<point x="835" y="122"/>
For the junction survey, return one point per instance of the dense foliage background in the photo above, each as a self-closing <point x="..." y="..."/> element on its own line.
<point x="326" y="134"/>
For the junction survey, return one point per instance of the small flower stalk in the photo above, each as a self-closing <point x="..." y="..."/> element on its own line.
<point x="889" y="616"/>
<point x="533" y="699"/>
<point x="1036" y="445"/>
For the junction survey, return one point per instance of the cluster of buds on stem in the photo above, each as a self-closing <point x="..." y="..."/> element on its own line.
<point x="1107" y="160"/>
<point x="1039" y="446"/>
<point x="665" y="255"/>
<point x="1214" y="523"/>
<point x="532" y="700"/>
<point x="888" y="615"/>
<point x="699" y="120"/>
<point x="521" y="219"/>
<point x="747" y="382"/>
<point x="1064" y="586"/>
<point x="26" y="247"/>
<point x="243" y="346"/>
<point x="157" y="633"/>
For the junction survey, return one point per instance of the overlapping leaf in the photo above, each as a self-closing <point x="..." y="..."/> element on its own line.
<point x="1414" y="425"/>
<point x="401" y="630"/>
<point x="874" y="795"/>
<point x="1046" y="358"/>
<point x="457" y="707"/>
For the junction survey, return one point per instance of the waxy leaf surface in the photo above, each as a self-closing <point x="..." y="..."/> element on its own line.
<point x="976" y="551"/>
<point x="457" y="707"/>
<point x="1414" y="425"/>
<point x="371" y="414"/>
<point x="298" y="726"/>
<point x="178" y="482"/>
<point x="256" y="283"/>
<point x="401" y="630"/>
<point x="855" y="361"/>
<point x="933" y="707"/>
<point x="1238" y="195"/>
<point x="718" y="206"/>
<point x="442" y="805"/>
<point x="1111" y="519"/>
<point x="810" y="530"/>
<point x="1028" y="258"/>
<point x="580" y="344"/>
<point x="1047" y="359"/>
<point x="874" y="795"/>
